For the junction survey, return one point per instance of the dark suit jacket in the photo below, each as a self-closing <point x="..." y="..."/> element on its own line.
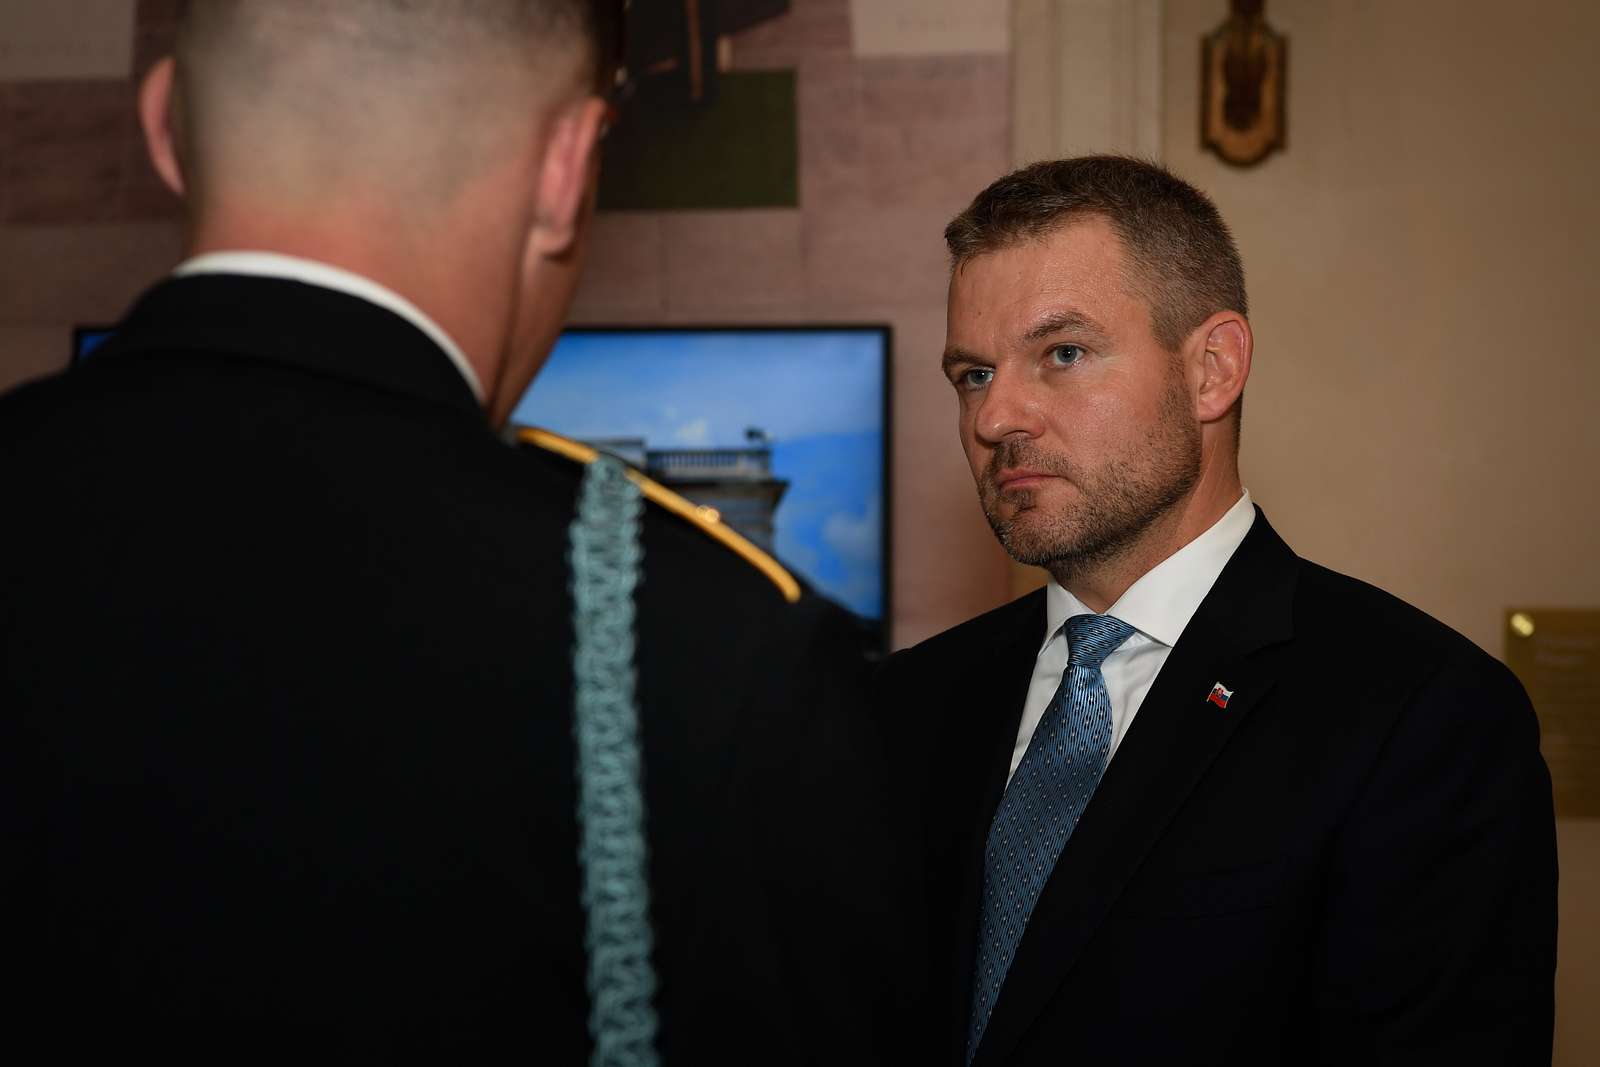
<point x="1353" y="862"/>
<point x="286" y="761"/>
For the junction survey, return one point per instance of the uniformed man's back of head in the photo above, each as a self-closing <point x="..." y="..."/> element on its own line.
<point x="445" y="148"/>
<point x="296" y="99"/>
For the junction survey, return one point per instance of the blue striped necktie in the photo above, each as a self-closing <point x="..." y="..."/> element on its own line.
<point x="1042" y="805"/>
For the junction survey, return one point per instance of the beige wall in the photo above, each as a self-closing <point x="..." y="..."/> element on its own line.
<point x="1421" y="264"/>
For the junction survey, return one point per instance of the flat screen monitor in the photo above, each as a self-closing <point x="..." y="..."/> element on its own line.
<point x="783" y="430"/>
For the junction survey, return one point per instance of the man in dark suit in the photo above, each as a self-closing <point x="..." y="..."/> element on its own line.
<point x="1198" y="801"/>
<point x="286" y="683"/>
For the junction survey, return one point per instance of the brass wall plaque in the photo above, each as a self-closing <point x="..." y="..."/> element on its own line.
<point x="1244" y="67"/>
<point x="1556" y="653"/>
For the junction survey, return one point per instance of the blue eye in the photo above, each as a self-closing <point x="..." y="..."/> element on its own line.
<point x="1065" y="355"/>
<point x="976" y="378"/>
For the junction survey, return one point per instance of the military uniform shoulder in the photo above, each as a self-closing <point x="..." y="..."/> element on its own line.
<point x="32" y="409"/>
<point x="701" y="518"/>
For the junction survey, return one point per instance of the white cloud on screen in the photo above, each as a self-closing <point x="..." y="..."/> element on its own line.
<point x="696" y="434"/>
<point x="855" y="537"/>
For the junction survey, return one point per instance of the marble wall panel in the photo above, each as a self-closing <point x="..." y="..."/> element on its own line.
<point x="893" y="255"/>
<point x="719" y="260"/>
<point x="625" y="274"/>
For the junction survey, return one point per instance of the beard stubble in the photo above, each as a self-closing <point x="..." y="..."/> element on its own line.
<point x="1119" y="500"/>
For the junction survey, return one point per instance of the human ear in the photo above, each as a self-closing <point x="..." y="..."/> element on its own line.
<point x="1225" y="364"/>
<point x="566" y="177"/>
<point x="156" y="119"/>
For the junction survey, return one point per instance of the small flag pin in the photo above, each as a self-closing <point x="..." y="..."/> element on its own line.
<point x="1220" y="696"/>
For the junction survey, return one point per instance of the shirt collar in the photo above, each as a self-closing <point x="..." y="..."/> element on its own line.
<point x="327" y="276"/>
<point x="1161" y="603"/>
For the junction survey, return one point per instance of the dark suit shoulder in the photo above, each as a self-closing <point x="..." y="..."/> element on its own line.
<point x="24" y="409"/>
<point x="1454" y="693"/>
<point x="1445" y="854"/>
<point x="1338" y="607"/>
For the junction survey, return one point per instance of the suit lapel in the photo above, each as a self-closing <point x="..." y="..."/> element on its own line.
<point x="1173" y="741"/>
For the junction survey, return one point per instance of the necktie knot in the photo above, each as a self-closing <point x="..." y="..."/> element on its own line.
<point x="1091" y="638"/>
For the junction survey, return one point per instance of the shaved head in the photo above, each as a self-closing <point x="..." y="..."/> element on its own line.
<point x="303" y="96"/>
<point x="445" y="149"/>
<point x="402" y="23"/>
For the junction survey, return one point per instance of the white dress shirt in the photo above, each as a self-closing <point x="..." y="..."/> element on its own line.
<point x="1158" y="606"/>
<point x="311" y="272"/>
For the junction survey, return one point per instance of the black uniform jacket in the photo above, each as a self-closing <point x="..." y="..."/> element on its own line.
<point x="1353" y="862"/>
<point x="286" y="756"/>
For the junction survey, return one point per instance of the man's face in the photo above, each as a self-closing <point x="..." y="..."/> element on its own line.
<point x="1079" y="427"/>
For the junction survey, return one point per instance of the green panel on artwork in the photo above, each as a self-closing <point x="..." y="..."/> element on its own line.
<point x="739" y="151"/>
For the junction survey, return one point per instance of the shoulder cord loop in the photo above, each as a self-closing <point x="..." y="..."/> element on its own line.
<point x="605" y="554"/>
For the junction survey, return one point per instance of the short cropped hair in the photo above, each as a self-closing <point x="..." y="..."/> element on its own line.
<point x="1182" y="259"/>
<point x="415" y="23"/>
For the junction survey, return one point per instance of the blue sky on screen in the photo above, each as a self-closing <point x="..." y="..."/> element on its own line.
<point x="817" y="394"/>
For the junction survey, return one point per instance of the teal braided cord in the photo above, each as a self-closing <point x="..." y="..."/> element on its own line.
<point x="605" y="556"/>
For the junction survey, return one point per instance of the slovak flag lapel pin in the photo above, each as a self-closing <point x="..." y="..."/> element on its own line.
<point x="1220" y="695"/>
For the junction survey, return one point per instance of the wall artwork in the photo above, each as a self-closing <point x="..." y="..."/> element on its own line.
<point x="1244" y="68"/>
<point x="694" y="133"/>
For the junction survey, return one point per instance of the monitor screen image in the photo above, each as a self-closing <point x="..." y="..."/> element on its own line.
<point x="784" y="431"/>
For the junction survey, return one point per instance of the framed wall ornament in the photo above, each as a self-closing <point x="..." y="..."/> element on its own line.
<point x="1244" y="69"/>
